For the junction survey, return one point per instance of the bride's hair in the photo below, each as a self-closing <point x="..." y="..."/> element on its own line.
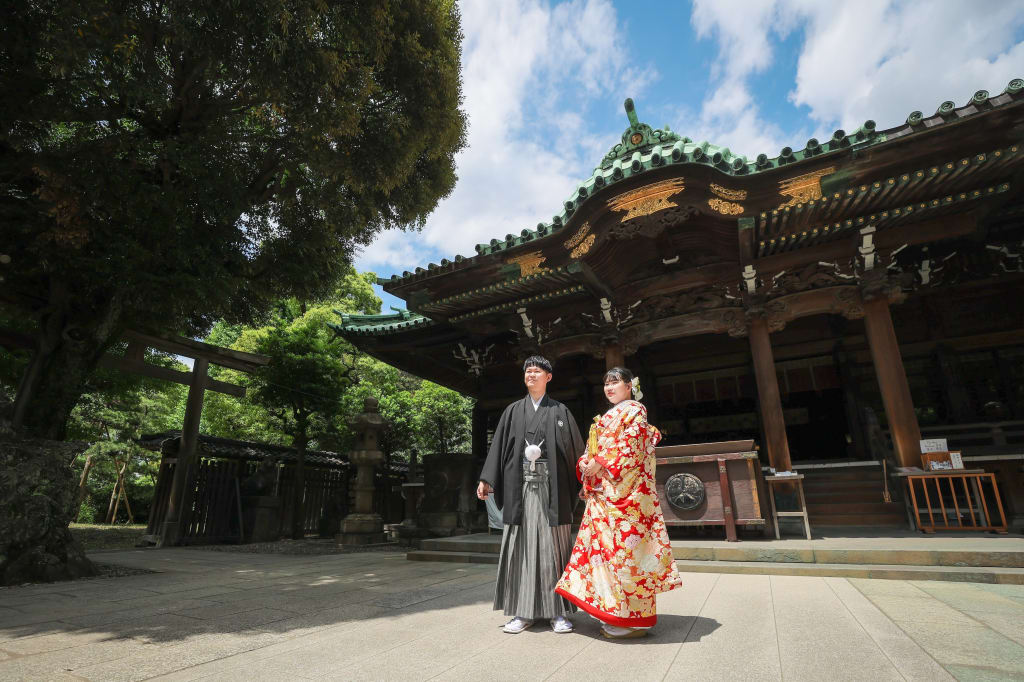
<point x="620" y="373"/>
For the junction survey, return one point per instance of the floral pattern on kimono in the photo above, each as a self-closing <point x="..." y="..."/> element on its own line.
<point x="622" y="557"/>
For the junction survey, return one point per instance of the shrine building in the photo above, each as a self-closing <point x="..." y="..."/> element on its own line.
<point x="836" y="303"/>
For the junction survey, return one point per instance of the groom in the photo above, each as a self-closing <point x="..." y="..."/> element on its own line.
<point x="536" y="489"/>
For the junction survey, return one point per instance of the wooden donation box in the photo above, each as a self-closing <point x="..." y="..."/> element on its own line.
<point x="710" y="484"/>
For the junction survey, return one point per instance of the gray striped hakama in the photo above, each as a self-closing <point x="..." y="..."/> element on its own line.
<point x="533" y="555"/>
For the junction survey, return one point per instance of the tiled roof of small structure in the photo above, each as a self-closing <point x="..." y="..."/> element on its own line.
<point x="643" y="148"/>
<point x="213" y="446"/>
<point x="375" y="325"/>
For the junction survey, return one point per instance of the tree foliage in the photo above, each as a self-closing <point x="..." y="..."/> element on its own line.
<point x="164" y="165"/>
<point x="115" y="410"/>
<point x="441" y="418"/>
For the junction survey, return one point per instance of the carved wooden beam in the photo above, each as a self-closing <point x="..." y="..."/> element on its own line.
<point x="944" y="227"/>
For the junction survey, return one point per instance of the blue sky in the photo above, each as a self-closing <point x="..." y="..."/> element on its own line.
<point x="544" y="83"/>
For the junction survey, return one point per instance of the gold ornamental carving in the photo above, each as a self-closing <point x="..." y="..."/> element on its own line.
<point x="646" y="200"/>
<point x="730" y="194"/>
<point x="529" y="263"/>
<point x="725" y="207"/>
<point x="803" y="188"/>
<point x="583" y="247"/>
<point x="581" y="233"/>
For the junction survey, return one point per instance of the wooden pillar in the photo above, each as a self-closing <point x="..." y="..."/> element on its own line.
<point x="892" y="381"/>
<point x="768" y="399"/>
<point x="614" y="355"/>
<point x="180" y="498"/>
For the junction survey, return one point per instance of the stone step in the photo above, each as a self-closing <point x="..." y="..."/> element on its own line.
<point x="487" y="553"/>
<point x="1003" y="576"/>
<point x="453" y="557"/>
<point x="750" y="552"/>
<point x="975" y="574"/>
<point x="486" y="546"/>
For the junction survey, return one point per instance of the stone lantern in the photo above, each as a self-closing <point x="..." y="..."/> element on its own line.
<point x="364" y="526"/>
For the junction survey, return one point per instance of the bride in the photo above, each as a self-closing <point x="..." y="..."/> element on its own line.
<point x="622" y="558"/>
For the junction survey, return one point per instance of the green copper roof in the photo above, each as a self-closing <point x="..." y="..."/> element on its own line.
<point x="643" y="148"/>
<point x="375" y="325"/>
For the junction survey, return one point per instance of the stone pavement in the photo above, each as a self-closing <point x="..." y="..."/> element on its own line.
<point x="369" y="616"/>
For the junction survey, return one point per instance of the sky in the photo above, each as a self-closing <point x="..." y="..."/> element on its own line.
<point x="544" y="83"/>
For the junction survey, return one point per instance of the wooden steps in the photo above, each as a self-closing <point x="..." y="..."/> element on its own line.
<point x="849" y="497"/>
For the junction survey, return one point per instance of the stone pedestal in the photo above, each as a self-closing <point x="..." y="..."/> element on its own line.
<point x="364" y="526"/>
<point x="261" y="515"/>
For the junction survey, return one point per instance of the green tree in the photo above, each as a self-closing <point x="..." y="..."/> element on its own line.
<point x="393" y="390"/>
<point x="167" y="164"/>
<point x="301" y="387"/>
<point x="244" y="419"/>
<point x="441" y="418"/>
<point x="115" y="410"/>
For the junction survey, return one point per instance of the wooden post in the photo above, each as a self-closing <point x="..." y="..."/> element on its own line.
<point x="768" y="400"/>
<point x="614" y="355"/>
<point x="727" y="511"/>
<point x="180" y="498"/>
<point x="892" y="380"/>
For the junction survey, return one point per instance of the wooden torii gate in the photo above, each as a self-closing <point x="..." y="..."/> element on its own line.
<point x="198" y="382"/>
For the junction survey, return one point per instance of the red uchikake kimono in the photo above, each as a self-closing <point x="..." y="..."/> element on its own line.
<point x="622" y="557"/>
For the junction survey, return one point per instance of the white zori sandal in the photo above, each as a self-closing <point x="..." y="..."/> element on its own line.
<point x="561" y="624"/>
<point x="516" y="625"/>
<point x="615" y="632"/>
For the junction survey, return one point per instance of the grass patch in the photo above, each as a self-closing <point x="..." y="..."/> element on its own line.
<point x="95" y="536"/>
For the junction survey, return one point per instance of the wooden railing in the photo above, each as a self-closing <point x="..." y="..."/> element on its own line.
<point x="951" y="499"/>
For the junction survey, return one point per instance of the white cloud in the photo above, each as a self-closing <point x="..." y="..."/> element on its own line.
<point x="881" y="60"/>
<point x="877" y="59"/>
<point x="530" y="72"/>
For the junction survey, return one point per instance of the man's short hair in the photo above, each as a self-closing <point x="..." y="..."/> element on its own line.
<point x="538" y="361"/>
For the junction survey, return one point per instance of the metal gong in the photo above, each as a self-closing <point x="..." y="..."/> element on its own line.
<point x="684" y="491"/>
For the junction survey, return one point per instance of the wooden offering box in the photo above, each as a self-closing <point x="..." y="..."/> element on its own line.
<point x="711" y="484"/>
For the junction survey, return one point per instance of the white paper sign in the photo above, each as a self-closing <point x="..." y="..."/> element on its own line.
<point x="934" y="445"/>
<point x="956" y="459"/>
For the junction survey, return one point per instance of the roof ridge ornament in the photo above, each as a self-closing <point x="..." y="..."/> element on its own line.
<point x="634" y="121"/>
<point x="640" y="138"/>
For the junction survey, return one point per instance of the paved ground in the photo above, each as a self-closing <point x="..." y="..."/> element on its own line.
<point x="224" y="616"/>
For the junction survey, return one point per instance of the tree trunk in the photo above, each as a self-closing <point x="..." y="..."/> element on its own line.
<point x="299" y="500"/>
<point x="65" y="355"/>
<point x="112" y="507"/>
<point x="82" y="484"/>
<point x="123" y="491"/>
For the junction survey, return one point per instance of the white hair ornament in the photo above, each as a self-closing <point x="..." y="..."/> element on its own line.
<point x="635" y="386"/>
